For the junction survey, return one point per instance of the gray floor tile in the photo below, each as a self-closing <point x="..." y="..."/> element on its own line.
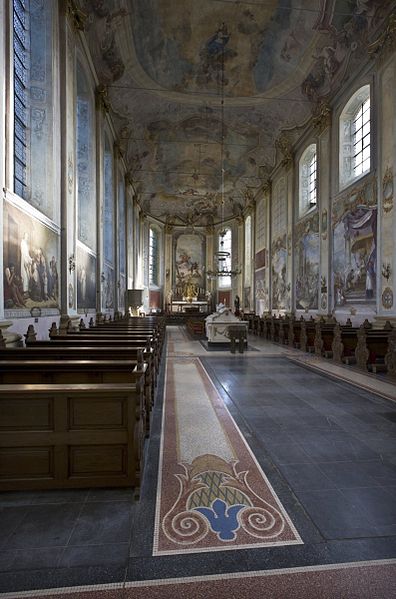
<point x="10" y="520"/>
<point x="103" y="522"/>
<point x="377" y="502"/>
<point x="305" y="476"/>
<point x="111" y="554"/>
<point x="45" y="526"/>
<point x="348" y="474"/>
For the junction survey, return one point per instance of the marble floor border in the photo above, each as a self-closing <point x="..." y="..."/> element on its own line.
<point x="100" y="589"/>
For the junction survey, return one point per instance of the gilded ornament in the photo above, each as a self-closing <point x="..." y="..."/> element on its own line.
<point x="387" y="298"/>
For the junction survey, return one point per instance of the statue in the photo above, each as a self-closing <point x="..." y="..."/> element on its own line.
<point x="237" y="305"/>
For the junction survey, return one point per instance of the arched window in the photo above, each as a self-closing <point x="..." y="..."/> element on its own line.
<point x="86" y="196"/>
<point x="32" y="41"/>
<point x="225" y="245"/>
<point x="248" y="251"/>
<point x="108" y="204"/>
<point x="308" y="180"/>
<point x="355" y="139"/>
<point x="121" y="225"/>
<point x="153" y="257"/>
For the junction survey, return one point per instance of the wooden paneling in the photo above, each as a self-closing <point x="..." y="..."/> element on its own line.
<point x="102" y="460"/>
<point x="26" y="463"/>
<point x="21" y="413"/>
<point x="106" y="413"/>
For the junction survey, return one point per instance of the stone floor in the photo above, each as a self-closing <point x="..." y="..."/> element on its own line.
<point x="328" y="448"/>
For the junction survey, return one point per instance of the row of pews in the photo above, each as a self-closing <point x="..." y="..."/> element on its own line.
<point x="75" y="409"/>
<point x="370" y="349"/>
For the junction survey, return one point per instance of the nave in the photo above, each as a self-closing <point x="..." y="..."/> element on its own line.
<point x="319" y="458"/>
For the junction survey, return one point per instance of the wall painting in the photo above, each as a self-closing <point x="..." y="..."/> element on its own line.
<point x="355" y="247"/>
<point x="306" y="262"/>
<point x="189" y="260"/>
<point x="31" y="262"/>
<point x="280" y="288"/>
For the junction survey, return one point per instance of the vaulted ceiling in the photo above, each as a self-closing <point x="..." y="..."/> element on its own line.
<point x="166" y="64"/>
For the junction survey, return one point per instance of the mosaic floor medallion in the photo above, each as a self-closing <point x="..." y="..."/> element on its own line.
<point x="212" y="494"/>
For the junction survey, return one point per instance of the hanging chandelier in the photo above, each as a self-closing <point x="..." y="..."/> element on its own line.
<point x="222" y="255"/>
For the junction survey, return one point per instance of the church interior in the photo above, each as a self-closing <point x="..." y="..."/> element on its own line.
<point x="197" y="324"/>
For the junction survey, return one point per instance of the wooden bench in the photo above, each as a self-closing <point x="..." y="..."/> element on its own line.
<point x="69" y="436"/>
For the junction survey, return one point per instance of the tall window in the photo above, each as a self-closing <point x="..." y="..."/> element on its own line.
<point x="21" y="78"/>
<point x="121" y="224"/>
<point x="33" y="65"/>
<point x="108" y="204"/>
<point x="308" y="180"/>
<point x="355" y="137"/>
<point x="153" y="257"/>
<point x="248" y="251"/>
<point x="86" y="197"/>
<point x="225" y="245"/>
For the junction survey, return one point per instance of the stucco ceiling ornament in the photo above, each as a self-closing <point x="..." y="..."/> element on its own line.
<point x="102" y="97"/>
<point x="386" y="42"/>
<point x="284" y="145"/>
<point x="79" y="18"/>
<point x="321" y="116"/>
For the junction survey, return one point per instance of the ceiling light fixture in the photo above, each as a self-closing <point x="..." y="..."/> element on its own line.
<point x="222" y="256"/>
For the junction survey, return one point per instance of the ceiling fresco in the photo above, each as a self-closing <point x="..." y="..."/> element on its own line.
<point x="167" y="64"/>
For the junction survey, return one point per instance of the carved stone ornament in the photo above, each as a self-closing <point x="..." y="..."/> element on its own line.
<point x="387" y="190"/>
<point x="390" y="357"/>
<point x="337" y="346"/>
<point x="387" y="298"/>
<point x="318" y="342"/>
<point x="361" y="350"/>
<point x="78" y="17"/>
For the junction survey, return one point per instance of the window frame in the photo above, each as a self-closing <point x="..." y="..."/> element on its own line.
<point x="348" y="118"/>
<point x="225" y="282"/>
<point x="308" y="187"/>
<point x="153" y="265"/>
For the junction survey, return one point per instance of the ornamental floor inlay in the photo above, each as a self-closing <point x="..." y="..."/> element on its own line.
<point x="212" y="494"/>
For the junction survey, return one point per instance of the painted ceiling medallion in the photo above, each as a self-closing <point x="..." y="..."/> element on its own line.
<point x="161" y="62"/>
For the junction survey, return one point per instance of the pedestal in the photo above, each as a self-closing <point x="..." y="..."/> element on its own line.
<point x="11" y="339"/>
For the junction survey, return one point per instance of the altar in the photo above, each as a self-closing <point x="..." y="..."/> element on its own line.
<point x="186" y="307"/>
<point x="220" y="324"/>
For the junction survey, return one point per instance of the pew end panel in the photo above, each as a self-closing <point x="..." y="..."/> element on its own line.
<point x="69" y="436"/>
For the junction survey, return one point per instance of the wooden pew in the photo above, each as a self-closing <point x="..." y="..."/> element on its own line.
<point x="69" y="436"/>
<point x="68" y="371"/>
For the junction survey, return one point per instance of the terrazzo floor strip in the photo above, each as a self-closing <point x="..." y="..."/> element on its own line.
<point x="355" y="580"/>
<point x="212" y="494"/>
